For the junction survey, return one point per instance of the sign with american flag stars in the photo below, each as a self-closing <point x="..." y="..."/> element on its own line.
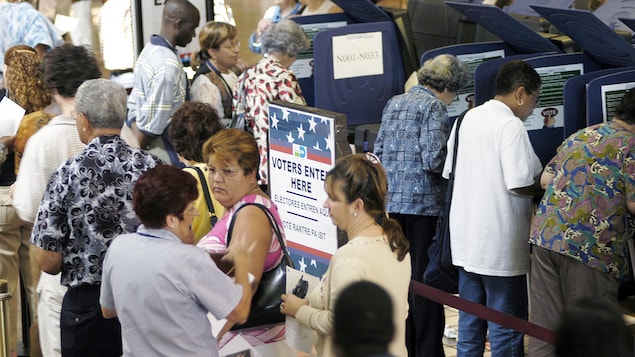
<point x="301" y="152"/>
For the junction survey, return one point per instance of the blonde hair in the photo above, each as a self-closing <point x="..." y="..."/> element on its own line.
<point x="212" y="35"/>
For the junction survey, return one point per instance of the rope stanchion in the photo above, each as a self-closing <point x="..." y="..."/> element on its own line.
<point x="483" y="312"/>
<point x="4" y="318"/>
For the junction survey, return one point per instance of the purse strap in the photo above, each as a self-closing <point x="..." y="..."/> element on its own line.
<point x="273" y="224"/>
<point x="208" y="198"/>
<point x="447" y="201"/>
<point x="459" y="120"/>
<point x="242" y="98"/>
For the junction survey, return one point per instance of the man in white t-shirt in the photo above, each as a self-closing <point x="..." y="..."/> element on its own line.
<point x="490" y="214"/>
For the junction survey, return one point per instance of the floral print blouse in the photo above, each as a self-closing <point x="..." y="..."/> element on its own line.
<point x="267" y="80"/>
<point x="583" y="213"/>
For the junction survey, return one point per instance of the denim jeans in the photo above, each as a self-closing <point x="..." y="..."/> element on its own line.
<point x="506" y="294"/>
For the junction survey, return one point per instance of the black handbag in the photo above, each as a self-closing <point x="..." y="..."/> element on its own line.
<point x="265" y="304"/>
<point x="208" y="198"/>
<point x="440" y="273"/>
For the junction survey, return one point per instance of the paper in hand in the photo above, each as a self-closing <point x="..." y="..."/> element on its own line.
<point x="11" y="115"/>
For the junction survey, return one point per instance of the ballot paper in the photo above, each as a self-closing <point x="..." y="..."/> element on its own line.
<point x="65" y="24"/>
<point x="10" y="116"/>
<point x="300" y="337"/>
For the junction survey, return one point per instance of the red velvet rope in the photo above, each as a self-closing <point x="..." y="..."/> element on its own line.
<point x="483" y="312"/>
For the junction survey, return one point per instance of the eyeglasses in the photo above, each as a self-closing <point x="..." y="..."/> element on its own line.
<point x="536" y="97"/>
<point x="374" y="159"/>
<point x="225" y="173"/>
<point x="231" y="45"/>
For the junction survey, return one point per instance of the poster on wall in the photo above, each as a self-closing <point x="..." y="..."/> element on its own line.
<point x="549" y="112"/>
<point x="612" y="96"/>
<point x="302" y="150"/>
<point x="465" y="97"/>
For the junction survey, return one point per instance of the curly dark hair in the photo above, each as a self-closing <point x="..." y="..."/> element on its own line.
<point x="23" y="78"/>
<point x="192" y="124"/>
<point x="66" y="67"/>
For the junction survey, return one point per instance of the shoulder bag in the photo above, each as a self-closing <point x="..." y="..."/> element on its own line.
<point x="238" y="115"/>
<point x="208" y="198"/>
<point x="440" y="273"/>
<point x="265" y="304"/>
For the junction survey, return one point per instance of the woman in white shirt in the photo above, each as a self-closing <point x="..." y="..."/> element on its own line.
<point x="215" y="65"/>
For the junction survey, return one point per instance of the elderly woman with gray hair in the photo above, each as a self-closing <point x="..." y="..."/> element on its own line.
<point x="411" y="144"/>
<point x="270" y="79"/>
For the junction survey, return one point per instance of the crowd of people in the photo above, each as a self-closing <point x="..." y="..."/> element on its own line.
<point x="102" y="180"/>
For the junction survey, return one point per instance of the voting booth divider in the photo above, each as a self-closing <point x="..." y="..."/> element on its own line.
<point x="605" y="93"/>
<point x="575" y="99"/>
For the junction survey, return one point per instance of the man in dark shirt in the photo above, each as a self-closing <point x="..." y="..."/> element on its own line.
<point x="87" y="203"/>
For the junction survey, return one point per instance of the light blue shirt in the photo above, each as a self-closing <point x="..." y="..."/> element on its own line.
<point x="23" y="25"/>
<point x="160" y="86"/>
<point x="162" y="290"/>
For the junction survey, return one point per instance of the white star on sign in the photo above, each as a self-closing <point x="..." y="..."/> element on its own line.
<point x="301" y="132"/>
<point x="302" y="265"/>
<point x="274" y="121"/>
<point x="312" y="125"/>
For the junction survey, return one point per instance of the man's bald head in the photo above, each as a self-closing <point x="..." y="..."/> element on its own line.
<point x="180" y="19"/>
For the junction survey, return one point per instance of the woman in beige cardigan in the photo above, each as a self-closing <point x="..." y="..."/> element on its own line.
<point x="376" y="251"/>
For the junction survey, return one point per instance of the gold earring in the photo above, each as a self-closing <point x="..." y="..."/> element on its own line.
<point x="520" y="102"/>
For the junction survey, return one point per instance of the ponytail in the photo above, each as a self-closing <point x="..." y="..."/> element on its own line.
<point x="396" y="239"/>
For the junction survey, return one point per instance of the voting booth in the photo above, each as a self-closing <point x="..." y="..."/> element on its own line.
<point x="587" y="104"/>
<point x="355" y="12"/>
<point x="545" y="125"/>
<point x="575" y="99"/>
<point x="605" y="93"/>
<point x="303" y="67"/>
<point x="359" y="70"/>
<point x="518" y="41"/>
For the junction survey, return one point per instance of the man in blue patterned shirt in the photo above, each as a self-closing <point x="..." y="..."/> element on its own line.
<point x="87" y="203"/>
<point x="411" y="145"/>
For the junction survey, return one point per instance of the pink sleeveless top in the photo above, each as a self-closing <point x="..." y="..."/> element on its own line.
<point x="216" y="240"/>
